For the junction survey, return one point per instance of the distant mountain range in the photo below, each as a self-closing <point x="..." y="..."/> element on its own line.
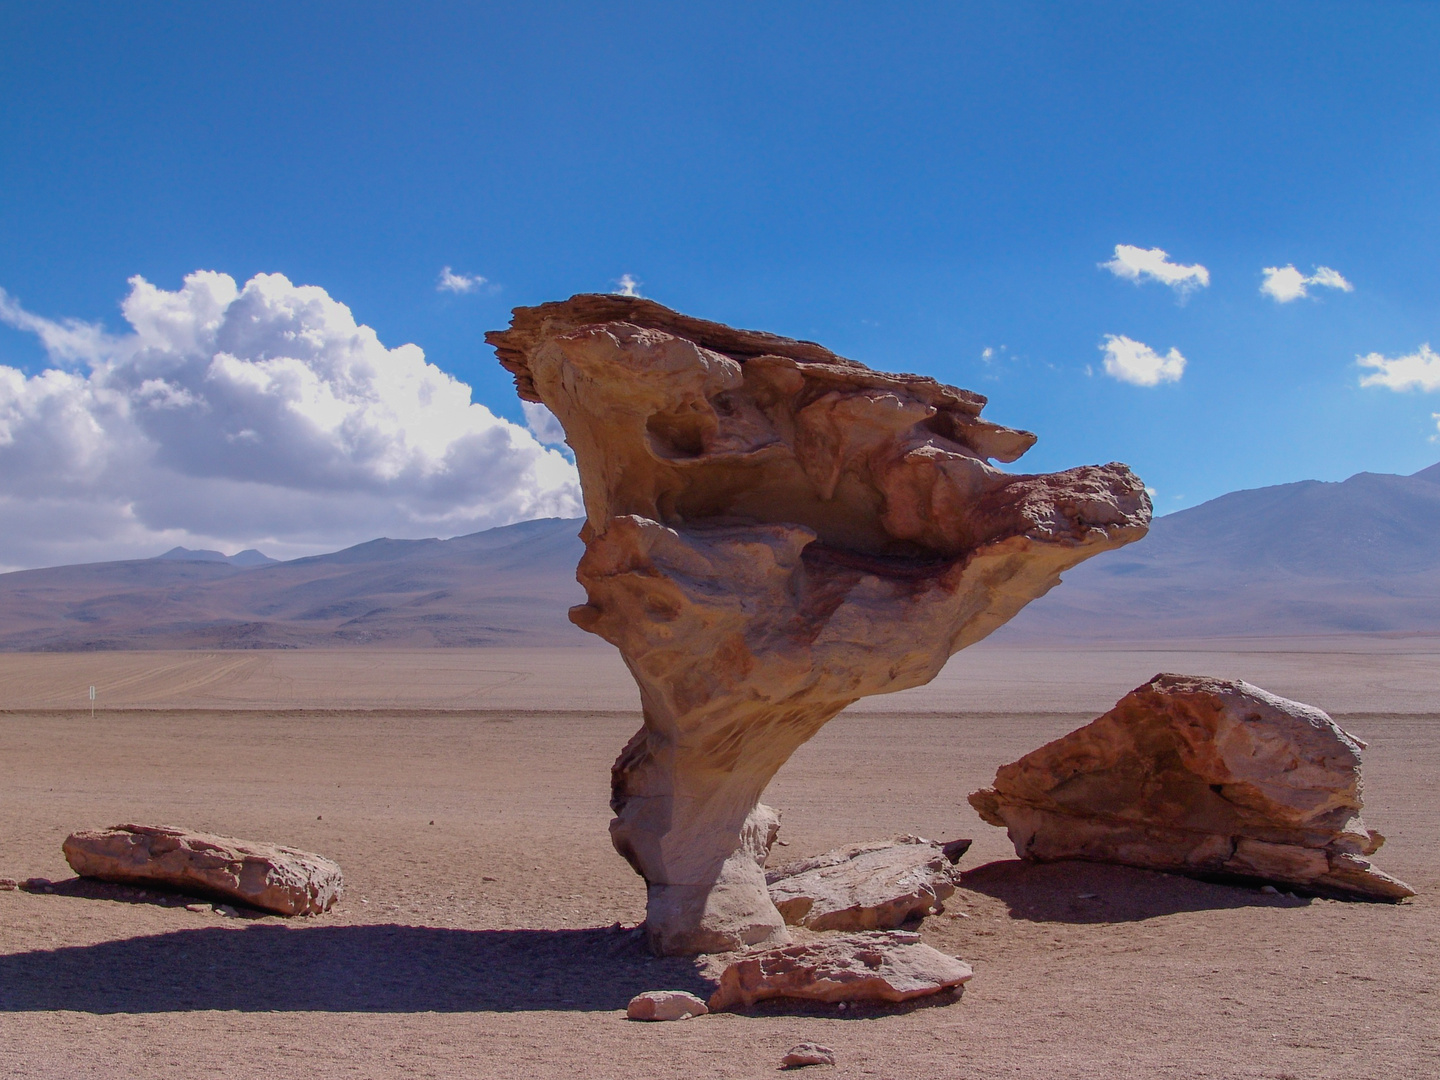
<point x="1358" y="556"/>
<point x="507" y="586"/>
<point x="248" y="557"/>
<point x="1304" y="558"/>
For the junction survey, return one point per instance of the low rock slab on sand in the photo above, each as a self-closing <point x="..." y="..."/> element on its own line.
<point x="1200" y="776"/>
<point x="665" y="1005"/>
<point x="888" y="966"/>
<point x="272" y="878"/>
<point x="808" y="1053"/>
<point x="877" y="885"/>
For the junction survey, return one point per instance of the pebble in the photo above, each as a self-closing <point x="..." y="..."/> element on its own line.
<point x="1269" y="890"/>
<point x="199" y="909"/>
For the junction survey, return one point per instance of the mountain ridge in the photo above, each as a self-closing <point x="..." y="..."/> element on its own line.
<point x="1310" y="557"/>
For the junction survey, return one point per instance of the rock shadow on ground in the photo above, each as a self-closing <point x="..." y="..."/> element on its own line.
<point x="385" y="968"/>
<point x="1082" y="892"/>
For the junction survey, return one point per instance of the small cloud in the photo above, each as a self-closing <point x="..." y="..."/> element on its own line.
<point x="1436" y="418"/>
<point x="1151" y="492"/>
<point x="449" y="281"/>
<point x="1419" y="370"/>
<point x="1285" y="283"/>
<point x="987" y="354"/>
<point x="629" y="286"/>
<point x="542" y="423"/>
<point x="65" y="341"/>
<point x="1153" y="264"/>
<point x="1136" y="363"/>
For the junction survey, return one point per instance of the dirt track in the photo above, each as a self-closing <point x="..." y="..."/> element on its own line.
<point x="429" y="969"/>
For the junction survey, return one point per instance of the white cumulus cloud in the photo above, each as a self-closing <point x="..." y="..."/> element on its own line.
<point x="1135" y="362"/>
<point x="1284" y="283"/>
<point x="628" y="286"/>
<point x="1153" y="264"/>
<point x="1419" y="370"/>
<point x="449" y="281"/>
<point x="262" y="416"/>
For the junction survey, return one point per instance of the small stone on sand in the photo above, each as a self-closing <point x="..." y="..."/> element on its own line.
<point x="665" y="1005"/>
<point x="808" y="1053"/>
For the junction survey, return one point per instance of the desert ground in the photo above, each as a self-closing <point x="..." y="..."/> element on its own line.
<point x="487" y="927"/>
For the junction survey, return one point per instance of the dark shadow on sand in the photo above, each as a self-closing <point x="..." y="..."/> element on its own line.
<point x="1081" y="892"/>
<point x="270" y="967"/>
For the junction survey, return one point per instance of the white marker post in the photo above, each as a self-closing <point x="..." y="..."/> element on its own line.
<point x="92" y="703"/>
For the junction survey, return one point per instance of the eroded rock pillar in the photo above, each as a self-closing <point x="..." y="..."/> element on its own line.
<point x="773" y="532"/>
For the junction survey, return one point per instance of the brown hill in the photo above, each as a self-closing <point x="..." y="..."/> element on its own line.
<point x="1362" y="555"/>
<point x="1304" y="558"/>
<point x="506" y="586"/>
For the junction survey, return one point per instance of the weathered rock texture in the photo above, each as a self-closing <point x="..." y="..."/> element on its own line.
<point x="874" y="886"/>
<point x="1199" y="776"/>
<point x="278" y="879"/>
<point x="773" y="532"/>
<point x="879" y="966"/>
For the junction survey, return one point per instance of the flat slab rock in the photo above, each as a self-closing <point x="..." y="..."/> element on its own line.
<point x="266" y="876"/>
<point x="888" y="966"/>
<point x="665" y="1005"/>
<point x="876" y="885"/>
<point x="807" y="1053"/>
<point x="1199" y="776"/>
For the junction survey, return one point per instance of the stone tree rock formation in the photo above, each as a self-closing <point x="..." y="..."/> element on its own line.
<point x="1200" y="776"/>
<point x="773" y="532"/>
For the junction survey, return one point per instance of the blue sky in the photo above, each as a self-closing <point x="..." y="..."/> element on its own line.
<point x="909" y="184"/>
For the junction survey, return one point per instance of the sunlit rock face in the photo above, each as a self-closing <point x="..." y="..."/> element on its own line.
<point x="773" y="532"/>
<point x="1204" y="776"/>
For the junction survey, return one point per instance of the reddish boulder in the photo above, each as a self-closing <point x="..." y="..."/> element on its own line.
<point x="266" y="876"/>
<point x="1200" y="776"/>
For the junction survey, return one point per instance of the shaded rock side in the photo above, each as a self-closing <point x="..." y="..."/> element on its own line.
<point x="879" y="966"/>
<point x="877" y="885"/>
<point x="1200" y="776"/>
<point x="773" y="532"/>
<point x="266" y="876"/>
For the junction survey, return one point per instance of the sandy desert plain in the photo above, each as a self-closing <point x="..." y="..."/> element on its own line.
<point x="487" y="926"/>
